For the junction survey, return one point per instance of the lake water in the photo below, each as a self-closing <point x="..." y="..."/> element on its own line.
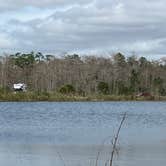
<point x="72" y="133"/>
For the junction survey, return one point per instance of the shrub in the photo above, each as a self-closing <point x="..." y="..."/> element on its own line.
<point x="67" y="89"/>
<point x="4" y="90"/>
<point x="103" y="87"/>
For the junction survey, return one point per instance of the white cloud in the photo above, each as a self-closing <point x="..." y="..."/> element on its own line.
<point x="123" y="25"/>
<point x="17" y="4"/>
<point x="5" y="41"/>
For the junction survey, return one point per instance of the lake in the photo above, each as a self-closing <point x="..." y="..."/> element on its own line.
<point x="72" y="133"/>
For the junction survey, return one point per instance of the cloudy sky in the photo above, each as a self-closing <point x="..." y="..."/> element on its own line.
<point x="84" y="26"/>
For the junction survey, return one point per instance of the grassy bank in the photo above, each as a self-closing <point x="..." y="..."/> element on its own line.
<point x="33" y="96"/>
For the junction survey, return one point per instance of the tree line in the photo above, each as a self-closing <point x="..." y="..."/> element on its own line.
<point x="83" y="75"/>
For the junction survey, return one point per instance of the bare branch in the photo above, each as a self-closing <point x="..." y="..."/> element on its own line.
<point x="116" y="139"/>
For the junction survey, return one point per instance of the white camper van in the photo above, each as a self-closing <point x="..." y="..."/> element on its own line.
<point x="19" y="87"/>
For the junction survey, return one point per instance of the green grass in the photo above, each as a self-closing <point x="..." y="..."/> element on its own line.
<point x="45" y="96"/>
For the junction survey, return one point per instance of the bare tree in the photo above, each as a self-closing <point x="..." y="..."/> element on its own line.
<point x="123" y="76"/>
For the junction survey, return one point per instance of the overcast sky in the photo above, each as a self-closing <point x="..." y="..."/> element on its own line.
<point x="84" y="26"/>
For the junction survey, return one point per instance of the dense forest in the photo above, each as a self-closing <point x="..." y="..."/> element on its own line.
<point x="84" y="75"/>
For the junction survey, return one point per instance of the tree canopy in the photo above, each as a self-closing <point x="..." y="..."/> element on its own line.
<point x="117" y="74"/>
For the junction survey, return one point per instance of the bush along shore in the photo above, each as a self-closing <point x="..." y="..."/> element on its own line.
<point x="45" y="96"/>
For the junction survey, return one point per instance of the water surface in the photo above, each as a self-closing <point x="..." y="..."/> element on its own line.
<point x="71" y="133"/>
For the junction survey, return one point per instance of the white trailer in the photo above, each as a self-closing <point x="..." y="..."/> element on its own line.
<point x="19" y="87"/>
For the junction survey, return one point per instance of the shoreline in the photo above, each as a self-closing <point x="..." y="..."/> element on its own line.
<point x="56" y="97"/>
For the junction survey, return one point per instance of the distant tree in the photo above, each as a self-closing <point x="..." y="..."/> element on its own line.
<point x="119" y="59"/>
<point x="73" y="57"/>
<point x="50" y="57"/>
<point x="132" y="61"/>
<point x="67" y="89"/>
<point x="39" y="57"/>
<point x="83" y="75"/>
<point x="162" y="91"/>
<point x="143" y="61"/>
<point x="103" y="87"/>
<point x="26" y="63"/>
<point x="122" y="89"/>
<point x="158" y="84"/>
<point x="24" y="60"/>
<point x="134" y="81"/>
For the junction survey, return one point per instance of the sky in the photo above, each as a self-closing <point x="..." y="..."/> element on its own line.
<point x="84" y="26"/>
